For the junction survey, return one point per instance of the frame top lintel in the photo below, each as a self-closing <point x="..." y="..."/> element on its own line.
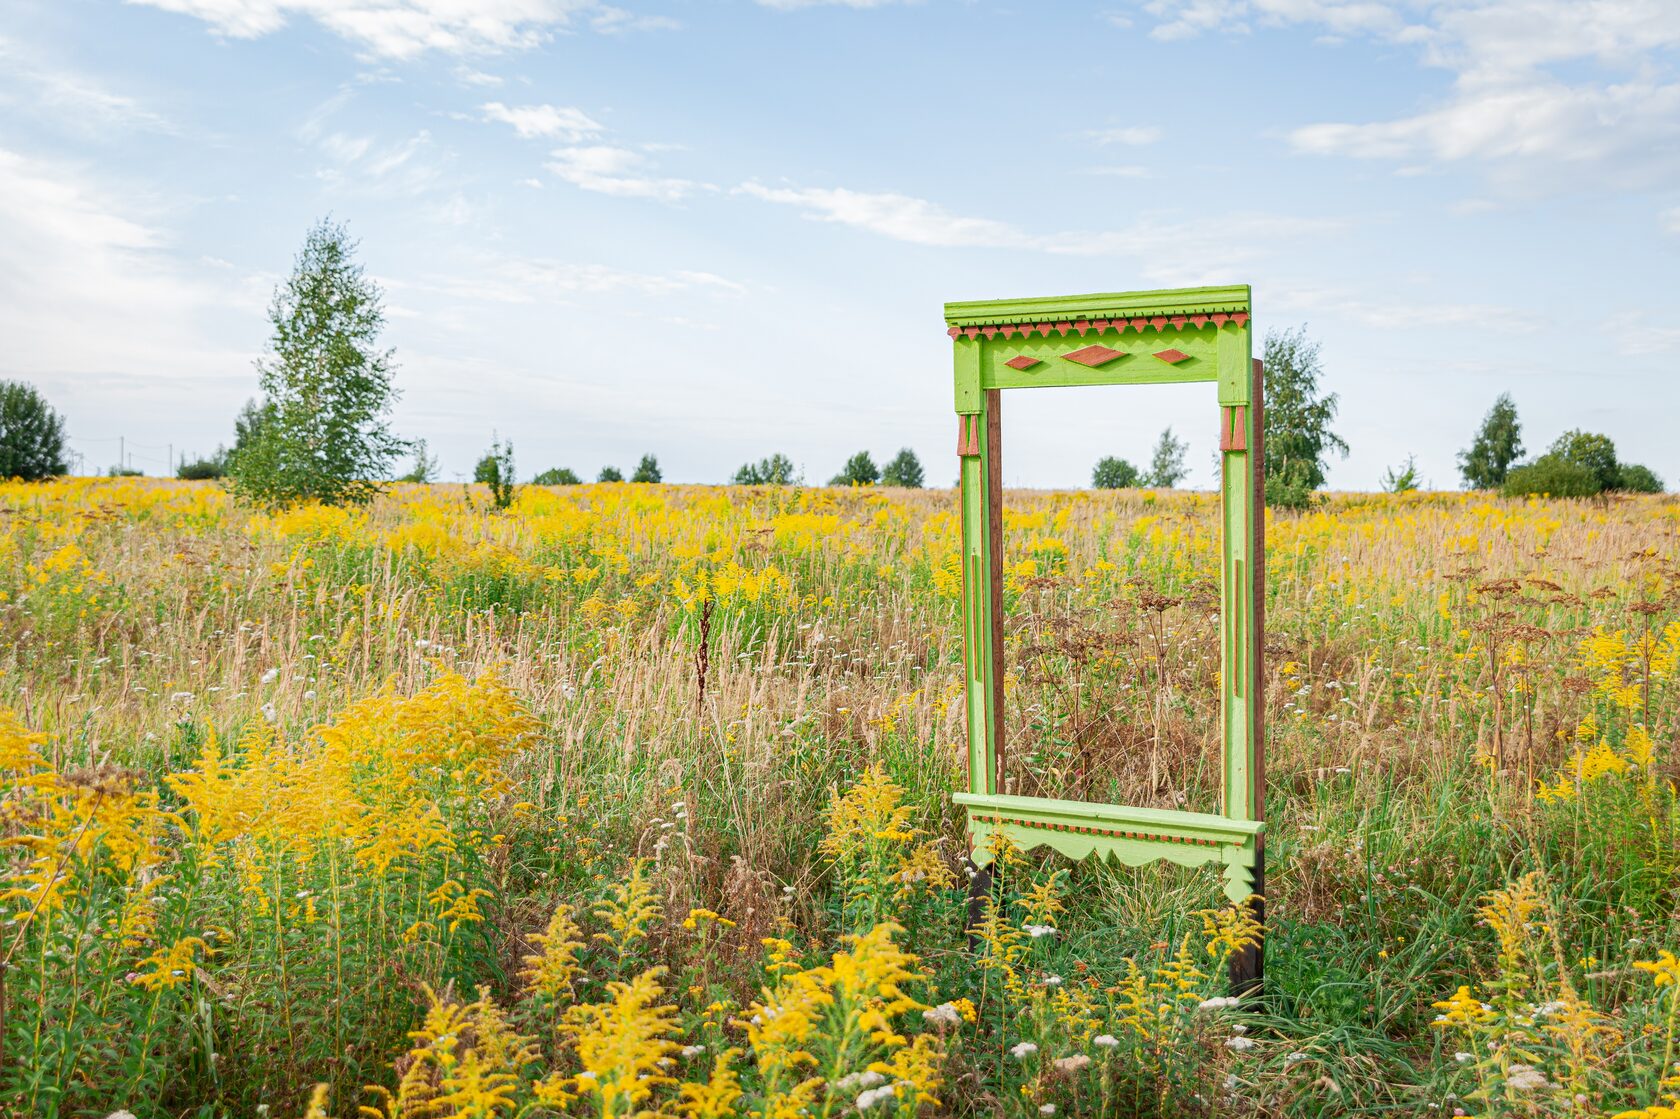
<point x="1172" y="301"/>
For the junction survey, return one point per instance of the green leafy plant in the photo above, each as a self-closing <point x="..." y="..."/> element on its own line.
<point x="31" y="434"/>
<point x="904" y="470"/>
<point x="1403" y="479"/>
<point x="321" y="432"/>
<point x="860" y="470"/>
<point x="776" y="470"/>
<point x="1112" y="473"/>
<point x="1166" y="465"/>
<point x="556" y="476"/>
<point x="647" y="470"/>
<point x="495" y="470"/>
<point x="1497" y="446"/>
<point x="1298" y="416"/>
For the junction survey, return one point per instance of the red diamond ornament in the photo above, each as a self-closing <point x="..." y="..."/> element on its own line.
<point x="1094" y="356"/>
<point x="1022" y="362"/>
<point x="1172" y="357"/>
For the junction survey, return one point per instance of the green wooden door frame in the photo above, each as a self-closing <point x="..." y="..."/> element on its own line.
<point x="1125" y="338"/>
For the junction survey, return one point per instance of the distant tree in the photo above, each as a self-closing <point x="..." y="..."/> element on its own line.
<point x="31" y="435"/>
<point x="860" y="470"/>
<point x="425" y="465"/>
<point x="248" y="426"/>
<point x="1594" y="453"/>
<point x="609" y="474"/>
<point x="1298" y="418"/>
<point x="556" y="476"/>
<point x="1639" y="479"/>
<point x="904" y="470"/>
<point x="1166" y="466"/>
<point x="1496" y="448"/>
<point x="204" y="469"/>
<point x="1403" y="480"/>
<point x="495" y="470"/>
<point x="647" y="470"/>
<point x="121" y="471"/>
<point x="1112" y="473"/>
<point x="323" y="433"/>
<point x="776" y="470"/>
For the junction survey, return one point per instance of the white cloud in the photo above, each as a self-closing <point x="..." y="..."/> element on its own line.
<point x="555" y="122"/>
<point x="1671" y="220"/>
<point x="621" y="172"/>
<point x="1166" y="251"/>
<point x="403" y="29"/>
<point x="792" y="5"/>
<point x="898" y="216"/>
<point x="89" y="288"/>
<point x="1135" y="136"/>
<point x="69" y="96"/>
<point x="1519" y="105"/>
<point x="520" y="280"/>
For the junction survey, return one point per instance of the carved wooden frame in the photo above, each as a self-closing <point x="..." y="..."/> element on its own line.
<point x="1128" y="338"/>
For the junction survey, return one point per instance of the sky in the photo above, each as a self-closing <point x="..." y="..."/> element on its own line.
<point x="715" y="229"/>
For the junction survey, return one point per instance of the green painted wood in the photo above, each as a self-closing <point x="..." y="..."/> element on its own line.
<point x="1171" y="301"/>
<point x="1221" y="353"/>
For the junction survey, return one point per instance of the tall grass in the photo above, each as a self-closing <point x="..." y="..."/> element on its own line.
<point x="310" y="798"/>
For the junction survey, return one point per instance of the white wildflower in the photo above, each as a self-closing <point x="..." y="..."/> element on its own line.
<point x="1463" y="1058"/>
<point x="945" y="1014"/>
<point x="271" y="675"/>
<point x="1037" y="931"/>
<point x="269" y="713"/>
<point x="1524" y="1078"/>
<point x="1294" y="1058"/>
<point x="1047" y="1109"/>
<point x="1218" y="1002"/>
<point x="1023" y="1051"/>
<point x="693" y="1050"/>
<point x="1073" y="1063"/>
<point x="1107" y="1041"/>
<point x="873" y="1096"/>
<point x="1239" y="1044"/>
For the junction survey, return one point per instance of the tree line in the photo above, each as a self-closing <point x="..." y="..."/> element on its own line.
<point x="320" y="430"/>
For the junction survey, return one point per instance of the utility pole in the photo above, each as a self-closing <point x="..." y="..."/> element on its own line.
<point x="122" y="463"/>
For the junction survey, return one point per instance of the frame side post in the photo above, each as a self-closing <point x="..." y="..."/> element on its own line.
<point x="980" y="453"/>
<point x="1248" y="967"/>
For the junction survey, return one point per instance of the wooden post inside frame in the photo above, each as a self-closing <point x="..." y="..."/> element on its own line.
<point x="1127" y="338"/>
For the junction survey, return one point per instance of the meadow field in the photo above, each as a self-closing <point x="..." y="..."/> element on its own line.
<point x="633" y="800"/>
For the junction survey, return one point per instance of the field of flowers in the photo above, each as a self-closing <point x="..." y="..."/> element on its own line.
<point x="632" y="800"/>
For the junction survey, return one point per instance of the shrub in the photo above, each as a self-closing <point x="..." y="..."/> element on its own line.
<point x="904" y="470"/>
<point x="777" y="470"/>
<point x="647" y="470"/>
<point x="31" y="434"/>
<point x="610" y="474"/>
<point x="495" y="470"/>
<point x="1112" y="473"/>
<point x="205" y="469"/>
<point x="860" y="470"/>
<point x="1592" y="452"/>
<point x="1638" y="479"/>
<point x="1551" y="474"/>
<point x="556" y="476"/>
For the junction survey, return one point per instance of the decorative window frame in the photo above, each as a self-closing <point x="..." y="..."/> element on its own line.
<point x="1127" y="338"/>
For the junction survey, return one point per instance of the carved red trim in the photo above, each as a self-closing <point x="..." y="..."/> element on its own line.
<point x="968" y="434"/>
<point x="1086" y="326"/>
<point x="1233" y="428"/>
<point x="1023" y="362"/>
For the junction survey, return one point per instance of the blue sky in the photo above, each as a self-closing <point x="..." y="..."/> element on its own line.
<point x="714" y="229"/>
